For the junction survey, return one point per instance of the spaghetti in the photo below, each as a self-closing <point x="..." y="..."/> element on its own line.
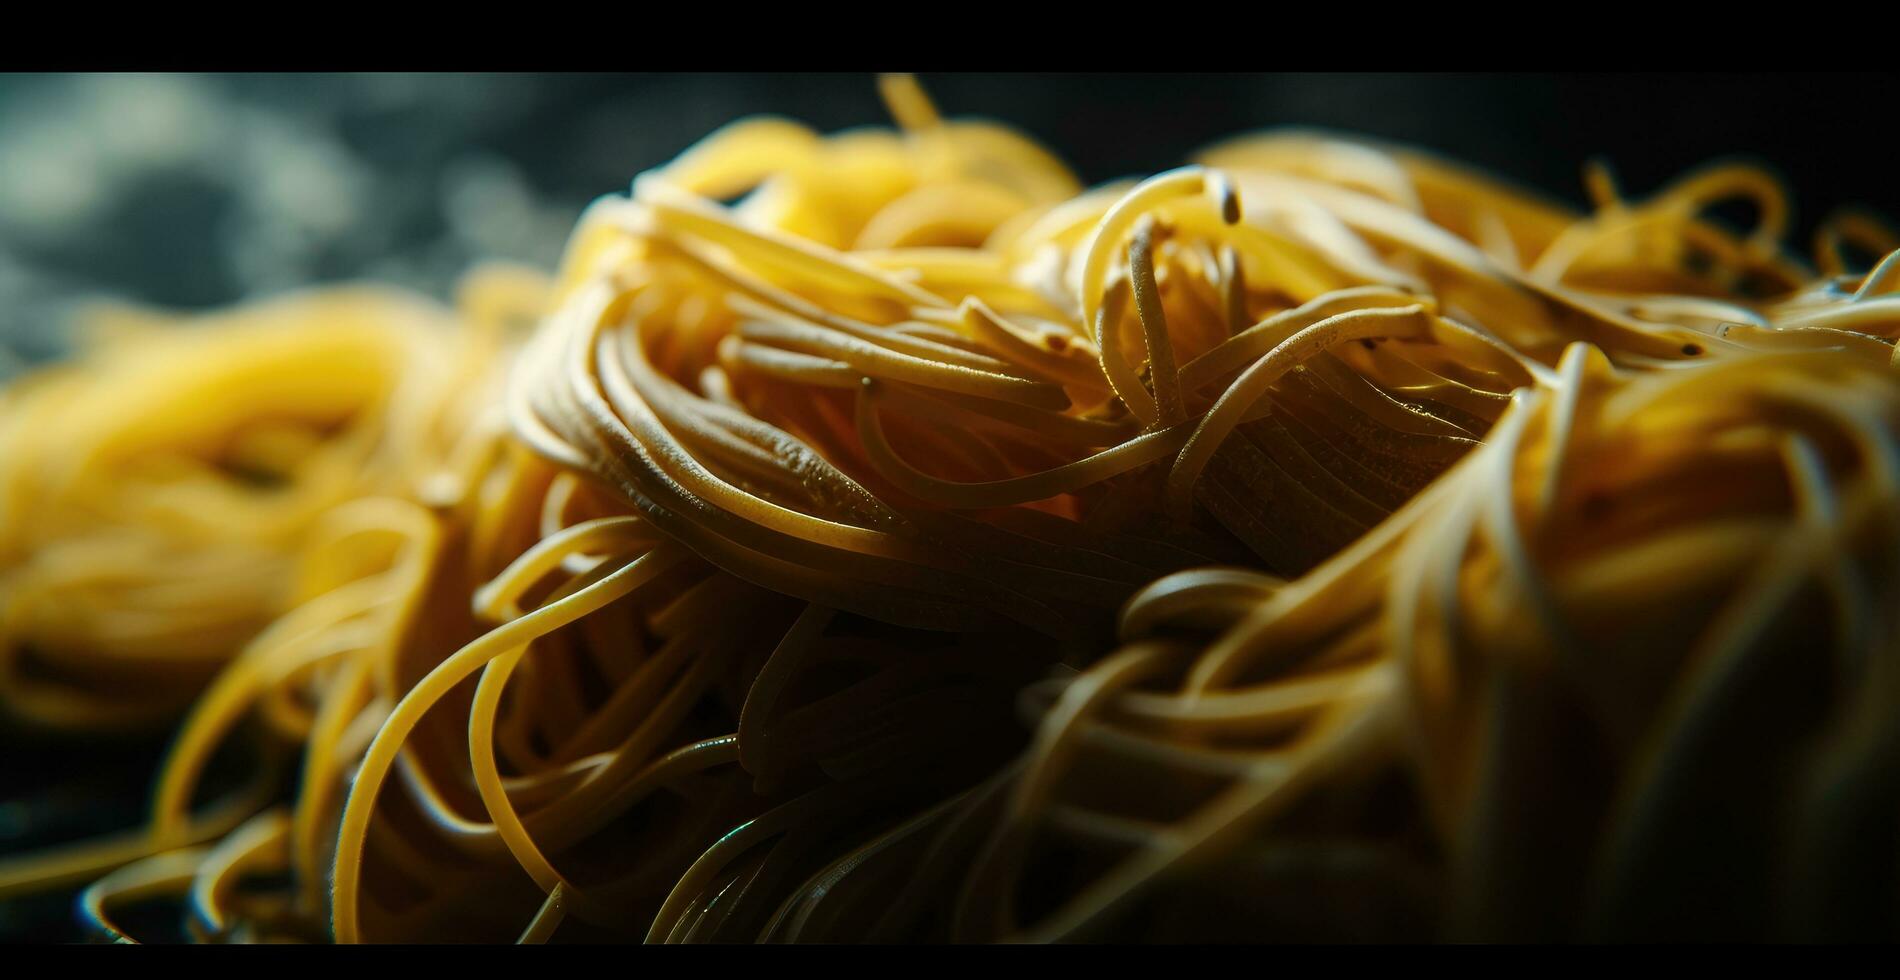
<point x="880" y="536"/>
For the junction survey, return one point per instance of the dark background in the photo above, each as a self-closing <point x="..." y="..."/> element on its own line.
<point x="190" y="191"/>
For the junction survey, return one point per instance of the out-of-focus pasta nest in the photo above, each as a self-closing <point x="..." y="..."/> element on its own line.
<point x="1317" y="541"/>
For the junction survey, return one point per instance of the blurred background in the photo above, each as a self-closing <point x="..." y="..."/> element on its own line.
<point x="188" y="191"/>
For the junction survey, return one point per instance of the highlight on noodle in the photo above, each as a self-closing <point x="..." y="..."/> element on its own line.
<point x="881" y="536"/>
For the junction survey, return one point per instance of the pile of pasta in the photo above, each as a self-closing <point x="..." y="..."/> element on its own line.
<point x="883" y="537"/>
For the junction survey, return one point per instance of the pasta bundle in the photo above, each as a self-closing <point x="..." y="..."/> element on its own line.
<point x="1625" y="672"/>
<point x="158" y="491"/>
<point x="879" y="536"/>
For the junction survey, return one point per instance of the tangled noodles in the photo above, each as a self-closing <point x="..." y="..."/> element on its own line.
<point x="883" y="537"/>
